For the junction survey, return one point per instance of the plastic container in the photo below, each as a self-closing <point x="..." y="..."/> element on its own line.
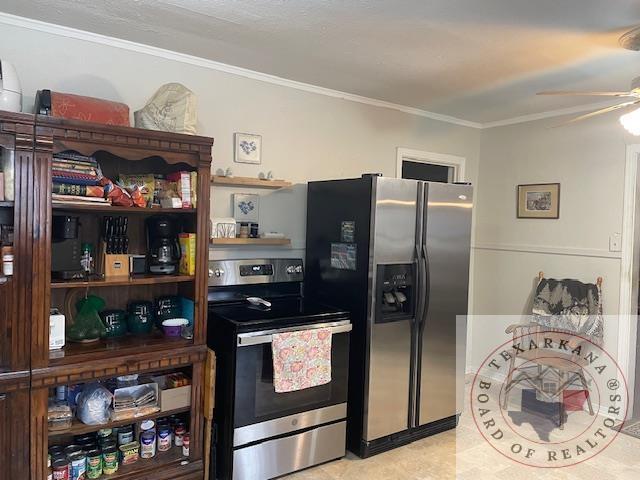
<point x="172" y="327"/>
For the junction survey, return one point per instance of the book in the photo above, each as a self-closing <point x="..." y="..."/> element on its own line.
<point x="74" y="168"/>
<point x="78" y="198"/>
<point x="194" y="188"/>
<point x="78" y="190"/>
<point x="76" y="157"/>
<point x="188" y="253"/>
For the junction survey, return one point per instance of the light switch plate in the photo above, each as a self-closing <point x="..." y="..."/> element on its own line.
<point x="615" y="242"/>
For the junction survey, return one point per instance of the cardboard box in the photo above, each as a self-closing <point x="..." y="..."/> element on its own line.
<point x="188" y="253"/>
<point x="172" y="398"/>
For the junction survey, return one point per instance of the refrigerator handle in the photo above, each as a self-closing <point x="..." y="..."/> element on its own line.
<point x="425" y="262"/>
<point x="419" y="262"/>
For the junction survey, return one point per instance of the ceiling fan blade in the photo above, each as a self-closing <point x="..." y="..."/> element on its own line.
<point x="595" y="94"/>
<point x="600" y="112"/>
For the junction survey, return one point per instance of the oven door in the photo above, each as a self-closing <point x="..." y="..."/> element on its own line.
<point x="256" y="401"/>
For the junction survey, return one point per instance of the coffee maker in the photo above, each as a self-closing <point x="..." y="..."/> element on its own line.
<point x="163" y="249"/>
<point x="65" y="248"/>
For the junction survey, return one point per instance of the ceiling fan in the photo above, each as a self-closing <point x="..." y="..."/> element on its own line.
<point x="633" y="96"/>
<point x="630" y="121"/>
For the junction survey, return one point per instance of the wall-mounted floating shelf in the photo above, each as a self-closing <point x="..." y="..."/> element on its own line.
<point x="248" y="182"/>
<point x="251" y="241"/>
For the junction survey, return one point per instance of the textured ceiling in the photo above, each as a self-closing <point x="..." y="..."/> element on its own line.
<point x="480" y="60"/>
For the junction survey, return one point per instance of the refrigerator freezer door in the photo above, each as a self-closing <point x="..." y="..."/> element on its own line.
<point x="447" y="238"/>
<point x="389" y="362"/>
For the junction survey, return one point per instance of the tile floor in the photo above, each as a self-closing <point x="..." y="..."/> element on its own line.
<point x="463" y="454"/>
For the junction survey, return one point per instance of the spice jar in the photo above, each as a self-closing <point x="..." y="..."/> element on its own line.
<point x="244" y="230"/>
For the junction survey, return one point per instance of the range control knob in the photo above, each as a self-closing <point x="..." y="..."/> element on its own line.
<point x="298" y="269"/>
<point x="218" y="272"/>
<point x="291" y="269"/>
<point x="210" y="273"/>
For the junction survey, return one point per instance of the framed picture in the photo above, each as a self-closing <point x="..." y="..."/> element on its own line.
<point x="539" y="200"/>
<point x="248" y="148"/>
<point x="245" y="207"/>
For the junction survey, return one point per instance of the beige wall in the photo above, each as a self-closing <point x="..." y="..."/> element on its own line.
<point x="588" y="160"/>
<point x="305" y="135"/>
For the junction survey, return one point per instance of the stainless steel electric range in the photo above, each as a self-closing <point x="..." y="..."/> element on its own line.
<point x="261" y="434"/>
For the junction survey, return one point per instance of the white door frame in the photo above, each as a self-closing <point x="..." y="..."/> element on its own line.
<point x="444" y="159"/>
<point x="629" y="269"/>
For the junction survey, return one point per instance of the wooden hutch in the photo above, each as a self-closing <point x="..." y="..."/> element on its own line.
<point x="28" y="369"/>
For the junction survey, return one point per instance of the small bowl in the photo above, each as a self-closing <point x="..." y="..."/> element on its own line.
<point x="172" y="327"/>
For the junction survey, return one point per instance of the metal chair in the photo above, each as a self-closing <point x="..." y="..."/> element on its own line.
<point x="568" y="367"/>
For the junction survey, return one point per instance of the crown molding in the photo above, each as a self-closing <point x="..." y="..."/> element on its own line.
<point x="60" y="30"/>
<point x="548" y="114"/>
<point x="28" y="23"/>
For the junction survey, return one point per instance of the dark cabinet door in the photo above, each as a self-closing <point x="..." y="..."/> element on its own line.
<point x="14" y="426"/>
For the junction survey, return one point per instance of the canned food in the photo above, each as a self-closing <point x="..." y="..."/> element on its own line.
<point x="129" y="453"/>
<point x="125" y="435"/>
<point x="148" y="444"/>
<point x="78" y="466"/>
<point x="178" y="435"/>
<point x="60" y="467"/>
<point x="185" y="445"/>
<point x="164" y="438"/>
<point x="109" y="460"/>
<point x="94" y="464"/>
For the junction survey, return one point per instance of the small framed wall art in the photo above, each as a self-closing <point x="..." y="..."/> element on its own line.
<point x="246" y="207"/>
<point x="248" y="148"/>
<point x="539" y="200"/>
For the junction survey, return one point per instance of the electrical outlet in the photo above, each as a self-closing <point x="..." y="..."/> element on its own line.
<point x="615" y="242"/>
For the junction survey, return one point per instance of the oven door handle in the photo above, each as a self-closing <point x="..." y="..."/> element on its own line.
<point x="257" y="338"/>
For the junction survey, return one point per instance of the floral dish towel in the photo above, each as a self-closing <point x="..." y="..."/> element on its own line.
<point x="301" y="359"/>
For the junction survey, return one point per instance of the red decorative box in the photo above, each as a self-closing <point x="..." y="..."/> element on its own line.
<point x="79" y="107"/>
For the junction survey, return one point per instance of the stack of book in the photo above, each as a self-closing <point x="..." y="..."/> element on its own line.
<point x="75" y="179"/>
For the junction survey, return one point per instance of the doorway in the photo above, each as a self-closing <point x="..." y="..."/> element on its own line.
<point x="429" y="166"/>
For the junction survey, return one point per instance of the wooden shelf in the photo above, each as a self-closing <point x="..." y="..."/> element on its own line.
<point x="72" y="207"/>
<point x="123" y="281"/>
<point x="79" y="428"/>
<point x="106" y="348"/>
<point x="251" y="241"/>
<point x="146" y="468"/>
<point x="6" y="203"/>
<point x="249" y="182"/>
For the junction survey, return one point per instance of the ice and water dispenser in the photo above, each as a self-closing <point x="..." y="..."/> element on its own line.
<point x="395" y="292"/>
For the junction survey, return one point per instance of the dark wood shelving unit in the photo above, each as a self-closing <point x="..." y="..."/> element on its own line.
<point x="28" y="370"/>
<point x="109" y="347"/>
<point x="116" y="210"/>
<point x="79" y="428"/>
<point x="122" y="282"/>
<point x="281" y="242"/>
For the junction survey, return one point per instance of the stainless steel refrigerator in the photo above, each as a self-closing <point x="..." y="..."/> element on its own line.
<point x="395" y="253"/>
